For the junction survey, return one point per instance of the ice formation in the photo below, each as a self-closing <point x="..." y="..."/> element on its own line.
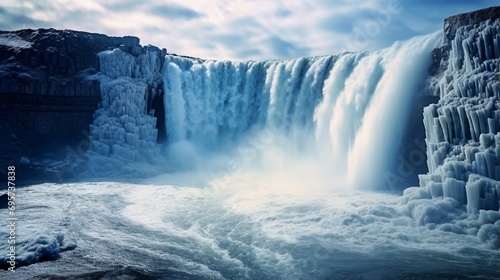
<point x="463" y="128"/>
<point x="40" y="248"/>
<point x="124" y="132"/>
<point x="337" y="107"/>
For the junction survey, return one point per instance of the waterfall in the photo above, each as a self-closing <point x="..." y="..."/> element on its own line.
<point x="349" y="111"/>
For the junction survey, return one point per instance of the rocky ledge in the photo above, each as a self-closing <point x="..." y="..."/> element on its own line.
<point x="451" y="24"/>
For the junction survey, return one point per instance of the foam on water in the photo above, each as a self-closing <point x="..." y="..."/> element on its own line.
<point x="253" y="226"/>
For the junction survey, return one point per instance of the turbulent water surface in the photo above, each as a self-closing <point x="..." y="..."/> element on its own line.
<point x="246" y="225"/>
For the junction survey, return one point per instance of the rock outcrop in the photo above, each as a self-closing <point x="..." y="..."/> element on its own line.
<point x="451" y="24"/>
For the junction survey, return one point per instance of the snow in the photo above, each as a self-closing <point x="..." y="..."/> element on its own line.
<point x="40" y="248"/>
<point x="14" y="41"/>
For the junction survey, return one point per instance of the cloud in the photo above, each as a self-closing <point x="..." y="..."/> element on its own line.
<point x="13" y="21"/>
<point x="174" y="12"/>
<point x="123" y="5"/>
<point x="240" y="30"/>
<point x="337" y="23"/>
<point x="283" y="48"/>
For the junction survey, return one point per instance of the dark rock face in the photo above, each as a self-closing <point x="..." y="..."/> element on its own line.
<point x="61" y="51"/>
<point x="52" y="76"/>
<point x="49" y="91"/>
<point x="451" y="24"/>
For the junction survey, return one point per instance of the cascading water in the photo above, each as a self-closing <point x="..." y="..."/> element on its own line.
<point x="349" y="112"/>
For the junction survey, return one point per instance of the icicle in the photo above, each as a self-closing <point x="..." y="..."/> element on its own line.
<point x="455" y="189"/>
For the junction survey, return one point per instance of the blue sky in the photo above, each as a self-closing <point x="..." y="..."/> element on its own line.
<point x="243" y="29"/>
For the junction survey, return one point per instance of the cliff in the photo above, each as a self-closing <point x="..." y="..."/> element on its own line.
<point x="451" y="24"/>
<point x="49" y="91"/>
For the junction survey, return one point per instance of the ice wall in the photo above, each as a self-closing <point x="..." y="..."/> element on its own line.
<point x="123" y="135"/>
<point x="463" y="128"/>
<point x="349" y="110"/>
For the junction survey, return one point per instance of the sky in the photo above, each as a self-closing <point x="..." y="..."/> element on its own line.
<point x="243" y="29"/>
